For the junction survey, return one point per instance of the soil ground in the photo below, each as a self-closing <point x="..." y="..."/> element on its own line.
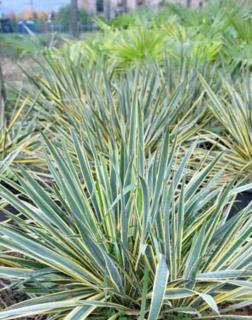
<point x="12" y="72"/>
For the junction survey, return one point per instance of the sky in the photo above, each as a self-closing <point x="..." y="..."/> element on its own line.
<point x="20" y="5"/>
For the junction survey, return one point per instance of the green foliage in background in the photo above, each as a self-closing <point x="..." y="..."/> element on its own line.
<point x="220" y="33"/>
<point x="62" y="18"/>
<point x="19" y="46"/>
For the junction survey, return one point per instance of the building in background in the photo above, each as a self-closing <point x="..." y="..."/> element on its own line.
<point x="110" y="8"/>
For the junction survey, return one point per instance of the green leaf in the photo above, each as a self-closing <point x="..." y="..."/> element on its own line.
<point x="159" y="287"/>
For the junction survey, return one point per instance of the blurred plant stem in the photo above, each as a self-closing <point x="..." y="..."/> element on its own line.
<point x="2" y="96"/>
<point x="74" y="18"/>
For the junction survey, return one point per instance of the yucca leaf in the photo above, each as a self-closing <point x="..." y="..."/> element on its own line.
<point x="230" y="317"/>
<point x="160" y="282"/>
<point x="37" y="309"/>
<point x="193" y="260"/>
<point x="144" y="294"/>
<point x="35" y="249"/>
<point x="81" y="313"/>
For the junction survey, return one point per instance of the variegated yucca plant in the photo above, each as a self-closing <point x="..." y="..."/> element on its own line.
<point x="125" y="235"/>
<point x="95" y="97"/>
<point x="233" y="133"/>
<point x="19" y="137"/>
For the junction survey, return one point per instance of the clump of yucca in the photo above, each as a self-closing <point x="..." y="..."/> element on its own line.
<point x="125" y="234"/>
